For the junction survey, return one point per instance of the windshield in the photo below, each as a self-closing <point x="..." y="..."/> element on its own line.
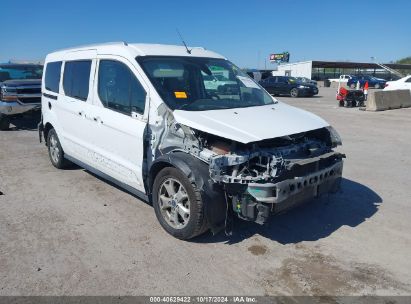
<point x="199" y="84"/>
<point x="20" y="71"/>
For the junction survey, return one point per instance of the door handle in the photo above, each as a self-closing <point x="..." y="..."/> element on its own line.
<point x="97" y="119"/>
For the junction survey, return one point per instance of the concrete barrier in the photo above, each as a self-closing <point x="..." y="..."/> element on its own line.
<point x="334" y="84"/>
<point x="386" y="100"/>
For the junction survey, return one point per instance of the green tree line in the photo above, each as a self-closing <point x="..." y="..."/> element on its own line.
<point x="406" y="60"/>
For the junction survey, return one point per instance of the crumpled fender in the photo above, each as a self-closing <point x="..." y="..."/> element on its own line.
<point x="197" y="171"/>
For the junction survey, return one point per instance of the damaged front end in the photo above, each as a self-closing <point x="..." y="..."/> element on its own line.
<point x="263" y="177"/>
<point x="276" y="174"/>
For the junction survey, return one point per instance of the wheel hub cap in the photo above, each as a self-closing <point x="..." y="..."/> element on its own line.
<point x="174" y="203"/>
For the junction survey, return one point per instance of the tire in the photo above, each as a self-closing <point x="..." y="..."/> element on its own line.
<point x="4" y="122"/>
<point x="294" y="93"/>
<point x="352" y="86"/>
<point x="377" y="86"/>
<point x="56" y="152"/>
<point x="174" y="195"/>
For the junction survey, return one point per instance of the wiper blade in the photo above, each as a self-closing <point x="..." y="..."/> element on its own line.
<point x="190" y="103"/>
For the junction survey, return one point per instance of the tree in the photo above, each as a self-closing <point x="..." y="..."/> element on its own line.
<point x="406" y="60"/>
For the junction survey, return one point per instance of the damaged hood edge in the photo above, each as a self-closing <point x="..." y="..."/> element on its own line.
<point x="251" y="124"/>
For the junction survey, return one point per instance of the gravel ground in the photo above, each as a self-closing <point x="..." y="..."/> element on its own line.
<point x="71" y="233"/>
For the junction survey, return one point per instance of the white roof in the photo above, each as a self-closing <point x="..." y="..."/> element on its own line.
<point x="137" y="49"/>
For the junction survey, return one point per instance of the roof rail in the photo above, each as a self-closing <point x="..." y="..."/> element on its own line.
<point x="93" y="45"/>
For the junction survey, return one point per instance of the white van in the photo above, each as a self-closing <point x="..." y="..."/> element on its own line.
<point x="142" y="116"/>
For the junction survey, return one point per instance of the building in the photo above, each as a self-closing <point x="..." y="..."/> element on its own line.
<point x="321" y="70"/>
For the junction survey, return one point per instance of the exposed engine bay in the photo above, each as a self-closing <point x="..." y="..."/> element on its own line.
<point x="262" y="177"/>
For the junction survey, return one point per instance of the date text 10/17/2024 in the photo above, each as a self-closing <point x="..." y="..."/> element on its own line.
<point x="203" y="299"/>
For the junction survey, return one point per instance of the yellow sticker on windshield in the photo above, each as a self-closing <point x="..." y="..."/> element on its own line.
<point x="180" y="94"/>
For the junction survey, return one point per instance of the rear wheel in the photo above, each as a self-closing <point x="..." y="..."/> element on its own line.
<point x="4" y="122"/>
<point x="56" y="152"/>
<point x="294" y="92"/>
<point x="377" y="86"/>
<point x="178" y="204"/>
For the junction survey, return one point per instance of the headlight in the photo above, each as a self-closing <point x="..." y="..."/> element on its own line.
<point x="5" y="89"/>
<point x="303" y="87"/>
<point x="8" y="94"/>
<point x="334" y="137"/>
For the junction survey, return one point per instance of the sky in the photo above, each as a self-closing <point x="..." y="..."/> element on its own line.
<point x="245" y="32"/>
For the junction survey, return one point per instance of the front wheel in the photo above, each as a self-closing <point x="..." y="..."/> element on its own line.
<point x="294" y="92"/>
<point x="4" y="122"/>
<point x="377" y="86"/>
<point x="56" y="152"/>
<point x="178" y="204"/>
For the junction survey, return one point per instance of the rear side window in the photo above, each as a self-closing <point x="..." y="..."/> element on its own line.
<point x="408" y="80"/>
<point x="119" y="89"/>
<point x="76" y="79"/>
<point x="52" y="77"/>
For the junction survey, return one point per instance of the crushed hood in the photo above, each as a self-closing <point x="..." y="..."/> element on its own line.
<point x="252" y="124"/>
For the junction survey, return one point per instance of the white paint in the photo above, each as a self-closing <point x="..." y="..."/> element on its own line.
<point x="113" y="142"/>
<point x="297" y="69"/>
<point x="400" y="84"/>
<point x="341" y="79"/>
<point x="251" y="124"/>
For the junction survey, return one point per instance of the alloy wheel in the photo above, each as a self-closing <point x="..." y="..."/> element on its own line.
<point x="54" y="149"/>
<point x="174" y="203"/>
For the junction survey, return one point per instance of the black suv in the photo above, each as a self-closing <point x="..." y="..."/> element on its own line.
<point x="285" y="85"/>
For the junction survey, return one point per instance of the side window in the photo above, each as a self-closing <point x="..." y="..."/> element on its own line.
<point x="119" y="89"/>
<point x="408" y="80"/>
<point x="272" y="79"/>
<point x="76" y="79"/>
<point x="52" y="77"/>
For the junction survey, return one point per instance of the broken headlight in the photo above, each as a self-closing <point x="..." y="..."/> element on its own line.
<point x="334" y="137"/>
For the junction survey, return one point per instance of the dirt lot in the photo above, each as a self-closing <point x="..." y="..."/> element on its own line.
<point x="70" y="233"/>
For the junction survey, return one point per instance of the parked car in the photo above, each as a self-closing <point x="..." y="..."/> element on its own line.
<point x="285" y="85"/>
<point x="140" y="116"/>
<point x="377" y="83"/>
<point x="400" y="84"/>
<point x="342" y="79"/>
<point x="306" y="80"/>
<point x="20" y="86"/>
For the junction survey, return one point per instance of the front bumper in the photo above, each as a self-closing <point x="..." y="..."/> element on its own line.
<point x="308" y="92"/>
<point x="14" y="108"/>
<point x="269" y="198"/>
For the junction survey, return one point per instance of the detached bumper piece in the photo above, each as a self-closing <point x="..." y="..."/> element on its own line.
<point x="262" y="199"/>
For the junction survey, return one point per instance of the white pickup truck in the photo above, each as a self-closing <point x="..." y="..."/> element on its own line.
<point x="342" y="78"/>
